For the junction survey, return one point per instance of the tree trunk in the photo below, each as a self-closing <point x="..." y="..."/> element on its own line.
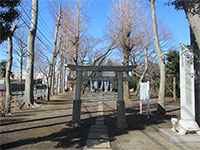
<point x="21" y="68"/>
<point x="56" y="83"/>
<point x="49" y="83"/>
<point x="62" y="86"/>
<point x="29" y="84"/>
<point x="194" y="21"/>
<point x="147" y="44"/>
<point x="53" y="77"/>
<point x="144" y="72"/>
<point x="48" y="93"/>
<point x="53" y="61"/>
<point x="7" y="101"/>
<point x="77" y="36"/>
<point x="160" y="56"/>
<point x="125" y="83"/>
<point x="65" y="79"/>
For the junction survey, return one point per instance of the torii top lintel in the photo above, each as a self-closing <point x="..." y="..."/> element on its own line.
<point x="100" y="68"/>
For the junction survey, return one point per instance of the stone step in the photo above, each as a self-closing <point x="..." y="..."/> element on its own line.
<point x="98" y="143"/>
<point x="97" y="149"/>
<point x="101" y="113"/>
<point x="178" y="139"/>
<point x="98" y="134"/>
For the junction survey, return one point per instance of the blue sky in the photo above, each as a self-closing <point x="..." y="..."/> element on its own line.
<point x="98" y="12"/>
<point x="175" y="21"/>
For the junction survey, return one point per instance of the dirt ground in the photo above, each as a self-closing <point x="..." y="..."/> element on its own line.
<point x="49" y="127"/>
<point x="144" y="133"/>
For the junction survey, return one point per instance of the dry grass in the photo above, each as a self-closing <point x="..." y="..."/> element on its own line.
<point x="14" y="106"/>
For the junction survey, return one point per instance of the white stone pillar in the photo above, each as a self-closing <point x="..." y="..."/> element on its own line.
<point x="187" y="122"/>
<point x="66" y="79"/>
<point x="106" y="86"/>
<point x="95" y="85"/>
<point x="91" y="86"/>
<point x="110" y="84"/>
<point x="101" y="87"/>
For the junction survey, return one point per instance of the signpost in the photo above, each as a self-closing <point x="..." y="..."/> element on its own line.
<point x="145" y="95"/>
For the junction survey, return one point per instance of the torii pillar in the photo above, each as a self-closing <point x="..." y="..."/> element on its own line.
<point x="77" y="101"/>
<point x="121" y="116"/>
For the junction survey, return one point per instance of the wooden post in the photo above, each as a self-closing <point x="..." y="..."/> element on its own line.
<point x="77" y="102"/>
<point x="121" y="117"/>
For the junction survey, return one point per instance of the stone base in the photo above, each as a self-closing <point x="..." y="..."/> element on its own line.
<point x="76" y="111"/>
<point x="185" y="126"/>
<point x="75" y="125"/>
<point x="175" y="138"/>
<point x="98" y="143"/>
<point x="121" y="115"/>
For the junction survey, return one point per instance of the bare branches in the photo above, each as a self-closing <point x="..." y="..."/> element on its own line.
<point x="73" y="31"/>
<point x="124" y="29"/>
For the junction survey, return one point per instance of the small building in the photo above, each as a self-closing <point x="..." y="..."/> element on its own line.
<point x="18" y="87"/>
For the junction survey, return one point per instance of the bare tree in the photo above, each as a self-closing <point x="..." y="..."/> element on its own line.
<point x="45" y="71"/>
<point x="62" y="70"/>
<point x="124" y="30"/>
<point x="159" y="54"/>
<point x="55" y="52"/>
<point x="146" y="47"/>
<point x="77" y="33"/>
<point x="7" y="101"/>
<point x="29" y="99"/>
<point x="21" y="53"/>
<point x="75" y="38"/>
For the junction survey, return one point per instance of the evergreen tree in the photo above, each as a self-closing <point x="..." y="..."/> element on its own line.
<point x="172" y="70"/>
<point x="2" y="69"/>
<point x="8" y="14"/>
<point x="172" y="65"/>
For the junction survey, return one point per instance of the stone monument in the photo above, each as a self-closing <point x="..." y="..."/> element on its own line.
<point x="187" y="121"/>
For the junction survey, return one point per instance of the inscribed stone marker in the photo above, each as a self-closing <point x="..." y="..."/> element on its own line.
<point x="187" y="122"/>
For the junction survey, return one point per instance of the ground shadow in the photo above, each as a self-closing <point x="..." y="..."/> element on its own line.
<point x="65" y="138"/>
<point x="75" y="138"/>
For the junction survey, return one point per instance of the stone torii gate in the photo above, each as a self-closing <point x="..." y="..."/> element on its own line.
<point x="120" y="71"/>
